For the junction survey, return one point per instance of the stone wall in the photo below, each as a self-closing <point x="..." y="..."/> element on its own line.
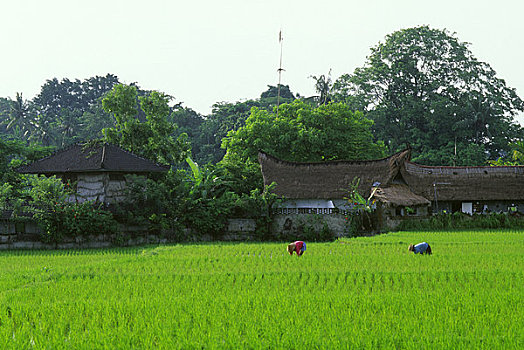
<point x="241" y="225"/>
<point x="12" y="228"/>
<point x="393" y="222"/>
<point x="27" y="236"/>
<point x="104" y="187"/>
<point x="7" y="227"/>
<point x="240" y="230"/>
<point x="293" y="224"/>
<point x="90" y="187"/>
<point x="14" y="242"/>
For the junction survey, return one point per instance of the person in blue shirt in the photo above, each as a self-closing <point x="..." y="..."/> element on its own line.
<point x="421" y="248"/>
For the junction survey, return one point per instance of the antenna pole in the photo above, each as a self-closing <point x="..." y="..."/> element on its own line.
<point x="279" y="69"/>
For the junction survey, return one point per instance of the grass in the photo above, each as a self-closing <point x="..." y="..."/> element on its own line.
<point x="366" y="292"/>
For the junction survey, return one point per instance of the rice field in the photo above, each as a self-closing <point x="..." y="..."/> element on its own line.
<point x="367" y="292"/>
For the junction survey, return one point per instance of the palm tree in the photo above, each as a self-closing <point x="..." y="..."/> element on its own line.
<point x="18" y="116"/>
<point x="43" y="131"/>
<point x="323" y="85"/>
<point x="67" y="125"/>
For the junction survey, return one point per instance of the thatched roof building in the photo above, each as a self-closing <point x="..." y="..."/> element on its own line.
<point x="333" y="179"/>
<point x="399" y="195"/>
<point x="402" y="190"/>
<point x="475" y="183"/>
<point x="92" y="158"/>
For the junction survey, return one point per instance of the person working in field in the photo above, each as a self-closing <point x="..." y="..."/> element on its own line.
<point x="297" y="246"/>
<point x="421" y="248"/>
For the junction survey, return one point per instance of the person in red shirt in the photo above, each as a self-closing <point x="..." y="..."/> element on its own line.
<point x="298" y="246"/>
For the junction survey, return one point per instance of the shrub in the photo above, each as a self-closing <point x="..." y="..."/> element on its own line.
<point x="458" y="220"/>
<point x="75" y="220"/>
<point x="47" y="201"/>
<point x="312" y="228"/>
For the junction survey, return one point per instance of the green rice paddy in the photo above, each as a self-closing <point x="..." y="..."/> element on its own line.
<point x="367" y="292"/>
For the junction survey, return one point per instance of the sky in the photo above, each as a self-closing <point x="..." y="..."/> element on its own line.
<point x="207" y="51"/>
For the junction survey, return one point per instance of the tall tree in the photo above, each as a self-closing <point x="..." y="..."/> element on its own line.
<point x="5" y="105"/>
<point x="18" y="116"/>
<point x="56" y="96"/>
<point x="301" y="132"/>
<point x="424" y="87"/>
<point x="323" y="86"/>
<point x="153" y="138"/>
<point x="269" y="97"/>
<point x="226" y="117"/>
<point x="189" y="122"/>
<point x="60" y="107"/>
<point x="93" y="121"/>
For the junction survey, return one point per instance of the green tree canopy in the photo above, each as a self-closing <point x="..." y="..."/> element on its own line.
<point x="12" y="154"/>
<point x="302" y="132"/>
<point x="16" y="117"/>
<point x="272" y="91"/>
<point x="64" y="112"/>
<point x="515" y="157"/>
<point x="57" y="97"/>
<point x="424" y="87"/>
<point x="69" y="111"/>
<point x="228" y="116"/>
<point x="152" y="138"/>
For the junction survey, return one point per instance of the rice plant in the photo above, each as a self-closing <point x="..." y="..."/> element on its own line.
<point x="367" y="292"/>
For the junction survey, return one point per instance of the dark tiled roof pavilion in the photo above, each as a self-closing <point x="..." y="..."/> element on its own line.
<point x="92" y="158"/>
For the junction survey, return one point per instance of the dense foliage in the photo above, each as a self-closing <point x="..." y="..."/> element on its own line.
<point x="46" y="199"/>
<point x="226" y="117"/>
<point x="301" y="132"/>
<point x="514" y="157"/>
<point x="364" y="293"/>
<point x="424" y="87"/>
<point x="12" y="184"/>
<point x="62" y="113"/>
<point x="152" y="138"/>
<point x="200" y="202"/>
<point x="458" y="220"/>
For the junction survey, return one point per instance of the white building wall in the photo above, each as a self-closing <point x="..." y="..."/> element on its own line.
<point x="307" y="203"/>
<point x="341" y="204"/>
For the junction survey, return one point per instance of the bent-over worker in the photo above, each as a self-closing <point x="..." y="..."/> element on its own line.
<point x="421" y="248"/>
<point x="298" y="246"/>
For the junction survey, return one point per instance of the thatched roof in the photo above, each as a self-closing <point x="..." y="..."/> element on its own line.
<point x="97" y="157"/>
<point x="399" y="195"/>
<point x="465" y="183"/>
<point x="331" y="180"/>
<point x="328" y="180"/>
